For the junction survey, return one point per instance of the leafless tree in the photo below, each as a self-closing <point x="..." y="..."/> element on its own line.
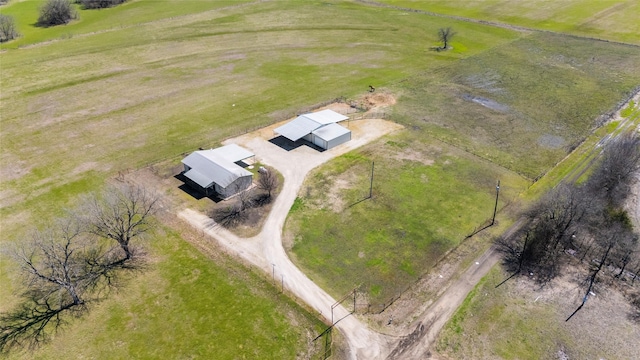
<point x="268" y="181"/>
<point x="609" y="236"/>
<point x="122" y="214"/>
<point x="620" y="161"/>
<point x="56" y="277"/>
<point x="551" y="222"/>
<point x="444" y="36"/>
<point x="7" y="28"/>
<point x="56" y="12"/>
<point x="236" y="213"/>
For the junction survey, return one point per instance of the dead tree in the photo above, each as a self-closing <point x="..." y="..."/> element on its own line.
<point x="444" y="36"/>
<point x="268" y="181"/>
<point x="620" y="161"/>
<point x="56" y="278"/>
<point x="122" y="214"/>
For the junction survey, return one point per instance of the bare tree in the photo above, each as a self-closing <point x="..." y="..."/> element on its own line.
<point x="121" y="214"/>
<point x="444" y="36"/>
<point x="620" y="161"/>
<point x="551" y="222"/>
<point x="56" y="12"/>
<point x="56" y="277"/>
<point x="7" y="28"/>
<point x="268" y="181"/>
<point x="609" y="237"/>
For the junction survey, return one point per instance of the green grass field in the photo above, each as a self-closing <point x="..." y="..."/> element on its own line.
<point x="610" y="20"/>
<point x="427" y="196"/>
<point x="187" y="305"/>
<point x="523" y="105"/>
<point x="147" y="81"/>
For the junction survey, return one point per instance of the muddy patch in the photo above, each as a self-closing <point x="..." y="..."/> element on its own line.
<point x="488" y="103"/>
<point x="551" y="141"/>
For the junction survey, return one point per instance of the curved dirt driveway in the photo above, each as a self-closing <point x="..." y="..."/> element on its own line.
<point x="266" y="251"/>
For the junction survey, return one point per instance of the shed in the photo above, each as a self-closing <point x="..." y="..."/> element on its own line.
<point x="330" y="136"/>
<point x="216" y="171"/>
<point x="309" y="126"/>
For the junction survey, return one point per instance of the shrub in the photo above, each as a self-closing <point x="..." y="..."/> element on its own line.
<point x="99" y="4"/>
<point x="7" y="28"/>
<point x="56" y="12"/>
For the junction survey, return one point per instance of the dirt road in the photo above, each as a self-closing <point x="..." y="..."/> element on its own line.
<point x="266" y="251"/>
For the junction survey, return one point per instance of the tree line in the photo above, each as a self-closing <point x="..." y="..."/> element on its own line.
<point x="66" y="266"/>
<point x="584" y="221"/>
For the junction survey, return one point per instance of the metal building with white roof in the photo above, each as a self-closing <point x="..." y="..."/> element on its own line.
<point x="216" y="171"/>
<point x="320" y="128"/>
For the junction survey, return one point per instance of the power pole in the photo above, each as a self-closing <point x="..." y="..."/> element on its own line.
<point x="371" y="186"/>
<point x="273" y="272"/>
<point x="495" y="208"/>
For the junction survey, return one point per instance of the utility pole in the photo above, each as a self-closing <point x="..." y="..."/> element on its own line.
<point x="273" y="272"/>
<point x="371" y="186"/>
<point x="495" y="209"/>
<point x="283" y="284"/>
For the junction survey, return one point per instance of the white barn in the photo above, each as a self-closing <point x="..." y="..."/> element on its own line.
<point x="320" y="128"/>
<point x="216" y="171"/>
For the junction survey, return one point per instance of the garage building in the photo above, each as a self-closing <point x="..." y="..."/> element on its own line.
<point x="218" y="171"/>
<point x="320" y="128"/>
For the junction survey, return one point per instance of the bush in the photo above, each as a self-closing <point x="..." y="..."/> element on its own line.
<point x="7" y="28"/>
<point x="56" y="12"/>
<point x="99" y="4"/>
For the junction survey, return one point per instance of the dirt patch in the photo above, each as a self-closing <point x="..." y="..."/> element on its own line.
<point x="412" y="155"/>
<point x="374" y="100"/>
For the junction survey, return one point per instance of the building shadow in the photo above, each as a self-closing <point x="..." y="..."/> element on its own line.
<point x="195" y="193"/>
<point x="289" y="145"/>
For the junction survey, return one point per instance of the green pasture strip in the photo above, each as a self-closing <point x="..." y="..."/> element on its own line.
<point x="493" y="323"/>
<point x="127" y="15"/>
<point x="184" y="305"/>
<point x="420" y="210"/>
<point x="523" y="104"/>
<point x="581" y="157"/>
<point x="610" y="20"/>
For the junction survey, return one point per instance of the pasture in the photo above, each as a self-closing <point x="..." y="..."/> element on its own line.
<point x="510" y="113"/>
<point x="82" y="102"/>
<point x="614" y="20"/>
<point x="427" y="197"/>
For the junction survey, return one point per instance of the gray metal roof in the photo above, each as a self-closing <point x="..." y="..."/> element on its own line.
<point x="331" y="131"/>
<point x="207" y="168"/>
<point x="297" y="128"/>
<point x="325" y="117"/>
<point x="305" y="124"/>
<point x="232" y="152"/>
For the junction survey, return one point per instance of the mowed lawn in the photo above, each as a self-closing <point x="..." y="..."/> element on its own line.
<point x="427" y="197"/>
<point x="615" y="20"/>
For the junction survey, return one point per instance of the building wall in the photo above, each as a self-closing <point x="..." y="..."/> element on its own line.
<point x="238" y="185"/>
<point x="339" y="140"/>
